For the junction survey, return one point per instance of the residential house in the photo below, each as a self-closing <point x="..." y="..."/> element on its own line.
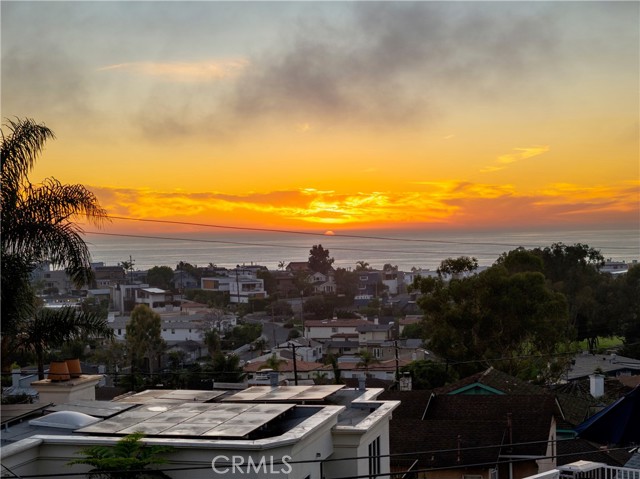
<point x="323" y="432"/>
<point x="322" y="283"/>
<point x="241" y="284"/>
<point x="369" y="284"/>
<point x="306" y="370"/>
<point x="183" y="280"/>
<point x="488" y="425"/>
<point x="158" y="300"/>
<point x="107" y="276"/>
<point x="393" y="280"/>
<point x="612" y="364"/>
<point x="285" y="284"/>
<point x="326" y="329"/>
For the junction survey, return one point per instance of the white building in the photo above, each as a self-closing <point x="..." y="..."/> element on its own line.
<point x="242" y="285"/>
<point x="325" y="329"/>
<point x="261" y="432"/>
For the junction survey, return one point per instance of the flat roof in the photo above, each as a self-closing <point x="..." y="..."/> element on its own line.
<point x="285" y="393"/>
<point x="14" y="412"/>
<point x="205" y="421"/>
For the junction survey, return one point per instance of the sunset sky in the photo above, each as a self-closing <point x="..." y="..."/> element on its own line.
<point x="330" y="115"/>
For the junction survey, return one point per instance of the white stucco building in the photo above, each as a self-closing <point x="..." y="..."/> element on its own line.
<point x="285" y="432"/>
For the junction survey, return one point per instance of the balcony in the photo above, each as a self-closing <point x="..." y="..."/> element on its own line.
<point x="588" y="470"/>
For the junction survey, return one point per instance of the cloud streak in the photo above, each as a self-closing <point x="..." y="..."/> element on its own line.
<point x="518" y="154"/>
<point x="202" y="71"/>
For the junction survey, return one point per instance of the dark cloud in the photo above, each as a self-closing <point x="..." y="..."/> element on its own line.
<point x="394" y="61"/>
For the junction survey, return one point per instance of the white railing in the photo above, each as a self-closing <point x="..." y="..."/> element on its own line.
<point x="588" y="470"/>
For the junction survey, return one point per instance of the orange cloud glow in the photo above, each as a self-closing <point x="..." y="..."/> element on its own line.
<point x="453" y="204"/>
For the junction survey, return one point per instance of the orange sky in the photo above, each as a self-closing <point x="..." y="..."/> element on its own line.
<point x="334" y="115"/>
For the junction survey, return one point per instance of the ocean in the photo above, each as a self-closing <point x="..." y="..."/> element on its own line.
<point x="402" y="248"/>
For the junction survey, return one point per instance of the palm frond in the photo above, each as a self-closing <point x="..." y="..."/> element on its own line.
<point x="20" y="149"/>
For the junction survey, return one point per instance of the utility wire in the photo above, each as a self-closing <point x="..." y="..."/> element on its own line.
<point x="335" y="235"/>
<point x="323" y="461"/>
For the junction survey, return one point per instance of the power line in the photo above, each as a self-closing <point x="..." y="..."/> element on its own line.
<point x="334" y="235"/>
<point x="271" y="245"/>
<point x="324" y="461"/>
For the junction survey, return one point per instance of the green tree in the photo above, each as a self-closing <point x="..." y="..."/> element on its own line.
<point x="270" y="285"/>
<point x="427" y="374"/>
<point x="48" y="328"/>
<point x="626" y="305"/>
<point x="493" y="318"/>
<point x="127" y="459"/>
<point x="274" y="362"/>
<point x="362" y="266"/>
<point x="242" y="334"/>
<point x="319" y="307"/>
<point x="456" y="267"/>
<point x="346" y="283"/>
<point x="366" y="360"/>
<point x="144" y="336"/>
<point x="226" y="368"/>
<point x="37" y="224"/>
<point x="211" y="340"/>
<point x="319" y="259"/>
<point x="160" y="277"/>
<point x="281" y="308"/>
<point x="335" y="366"/>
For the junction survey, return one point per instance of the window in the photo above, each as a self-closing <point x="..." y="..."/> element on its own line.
<point x="334" y="330"/>
<point x="374" y="458"/>
<point x="173" y="331"/>
<point x="119" y="332"/>
<point x="377" y="353"/>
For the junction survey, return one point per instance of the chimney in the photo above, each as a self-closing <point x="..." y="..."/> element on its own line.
<point x="596" y="385"/>
<point x="61" y="388"/>
<point x="362" y="383"/>
<point x="375" y="320"/>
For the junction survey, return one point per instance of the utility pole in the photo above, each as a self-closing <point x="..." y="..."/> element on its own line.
<point x="295" y="364"/>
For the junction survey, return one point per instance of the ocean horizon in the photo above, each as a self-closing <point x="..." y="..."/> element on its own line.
<point x="403" y="248"/>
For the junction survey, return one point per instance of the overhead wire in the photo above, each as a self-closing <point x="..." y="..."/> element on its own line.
<point x="333" y="235"/>
<point x="390" y="473"/>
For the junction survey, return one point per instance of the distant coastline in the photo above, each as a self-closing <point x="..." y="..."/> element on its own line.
<point x="405" y="248"/>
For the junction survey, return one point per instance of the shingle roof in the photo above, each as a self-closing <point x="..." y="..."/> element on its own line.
<point x="469" y="429"/>
<point x="496" y="380"/>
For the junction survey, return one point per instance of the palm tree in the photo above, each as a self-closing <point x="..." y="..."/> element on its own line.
<point x="48" y="328"/>
<point x="37" y="223"/>
<point x="366" y="360"/>
<point x="274" y="362"/>
<point x="37" y="219"/>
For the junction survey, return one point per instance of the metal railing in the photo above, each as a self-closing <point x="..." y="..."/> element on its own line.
<point x="588" y="470"/>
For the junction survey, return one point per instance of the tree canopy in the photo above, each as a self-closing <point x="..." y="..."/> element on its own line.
<point x="493" y="318"/>
<point x="319" y="259"/>
<point x="144" y="336"/>
<point x="160" y="277"/>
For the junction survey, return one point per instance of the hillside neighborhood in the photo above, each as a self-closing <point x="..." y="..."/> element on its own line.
<point x="314" y="356"/>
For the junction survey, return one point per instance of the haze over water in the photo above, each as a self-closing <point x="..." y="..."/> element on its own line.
<point x="406" y="249"/>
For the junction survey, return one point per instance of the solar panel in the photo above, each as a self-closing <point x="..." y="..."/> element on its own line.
<point x="285" y="393"/>
<point x="225" y="420"/>
<point x="171" y="396"/>
<point x="101" y="409"/>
